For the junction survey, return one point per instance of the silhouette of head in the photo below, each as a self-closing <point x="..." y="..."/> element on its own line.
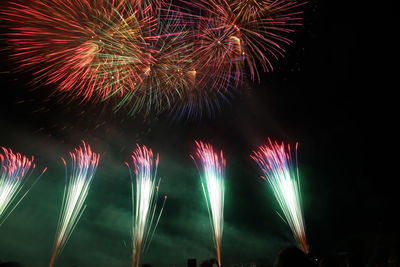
<point x="292" y="257"/>
<point x="206" y="263"/>
<point x="393" y="261"/>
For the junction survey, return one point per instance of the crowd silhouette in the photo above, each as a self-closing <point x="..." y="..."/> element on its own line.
<point x="294" y="257"/>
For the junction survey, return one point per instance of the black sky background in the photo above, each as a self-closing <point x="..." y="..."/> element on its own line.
<point x="330" y="93"/>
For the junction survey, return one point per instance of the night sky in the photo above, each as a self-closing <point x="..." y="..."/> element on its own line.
<point x="330" y="93"/>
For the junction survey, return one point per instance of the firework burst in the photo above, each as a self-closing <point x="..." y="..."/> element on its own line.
<point x="145" y="186"/>
<point x="147" y="55"/>
<point x="89" y="49"/>
<point x="212" y="173"/>
<point x="232" y="35"/>
<point x="229" y="41"/>
<point x="167" y="76"/>
<point x="281" y="172"/>
<point x="83" y="167"/>
<point x="15" y="170"/>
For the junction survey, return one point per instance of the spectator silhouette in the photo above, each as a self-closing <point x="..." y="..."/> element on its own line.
<point x="206" y="263"/>
<point x="292" y="257"/>
<point x="209" y="263"/>
<point x="379" y="258"/>
<point x="214" y="262"/>
<point x="393" y="261"/>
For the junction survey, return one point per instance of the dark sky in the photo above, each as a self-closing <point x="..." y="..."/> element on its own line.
<point x="330" y="93"/>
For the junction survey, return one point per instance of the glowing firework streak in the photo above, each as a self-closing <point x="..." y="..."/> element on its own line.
<point x="89" y="49"/>
<point x="213" y="183"/>
<point x="145" y="55"/>
<point x="281" y="172"/>
<point x="14" y="172"/>
<point x="83" y="167"/>
<point x="145" y="186"/>
<point x="163" y="81"/>
<point x="232" y="35"/>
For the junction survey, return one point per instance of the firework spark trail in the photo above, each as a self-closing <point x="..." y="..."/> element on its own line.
<point x="145" y="186"/>
<point x="102" y="50"/>
<point x="83" y="167"/>
<point x="167" y="76"/>
<point x="231" y="33"/>
<point x="149" y="54"/>
<point x="213" y="77"/>
<point x="14" y="172"/>
<point x="212" y="172"/>
<point x="281" y="172"/>
<point x="229" y="39"/>
<point x="89" y="49"/>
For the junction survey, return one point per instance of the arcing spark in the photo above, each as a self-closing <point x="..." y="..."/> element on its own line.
<point x="232" y="35"/>
<point x="145" y="186"/>
<point x="15" y="169"/>
<point x="132" y="52"/>
<point x="212" y="173"/>
<point x="281" y="172"/>
<point x="102" y="50"/>
<point x="83" y="167"/>
<point x="230" y="39"/>
<point x="89" y="49"/>
<point x="166" y="76"/>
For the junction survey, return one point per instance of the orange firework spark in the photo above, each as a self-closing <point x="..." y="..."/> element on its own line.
<point x="147" y="54"/>
<point x="90" y="49"/>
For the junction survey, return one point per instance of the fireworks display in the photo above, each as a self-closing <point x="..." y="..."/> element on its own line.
<point x="90" y="49"/>
<point x="281" y="172"/>
<point x="148" y="55"/>
<point x="15" y="169"/>
<point x="197" y="82"/>
<point x="145" y="187"/>
<point x="82" y="169"/>
<point x="212" y="173"/>
<point x="231" y="35"/>
<point x="166" y="77"/>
